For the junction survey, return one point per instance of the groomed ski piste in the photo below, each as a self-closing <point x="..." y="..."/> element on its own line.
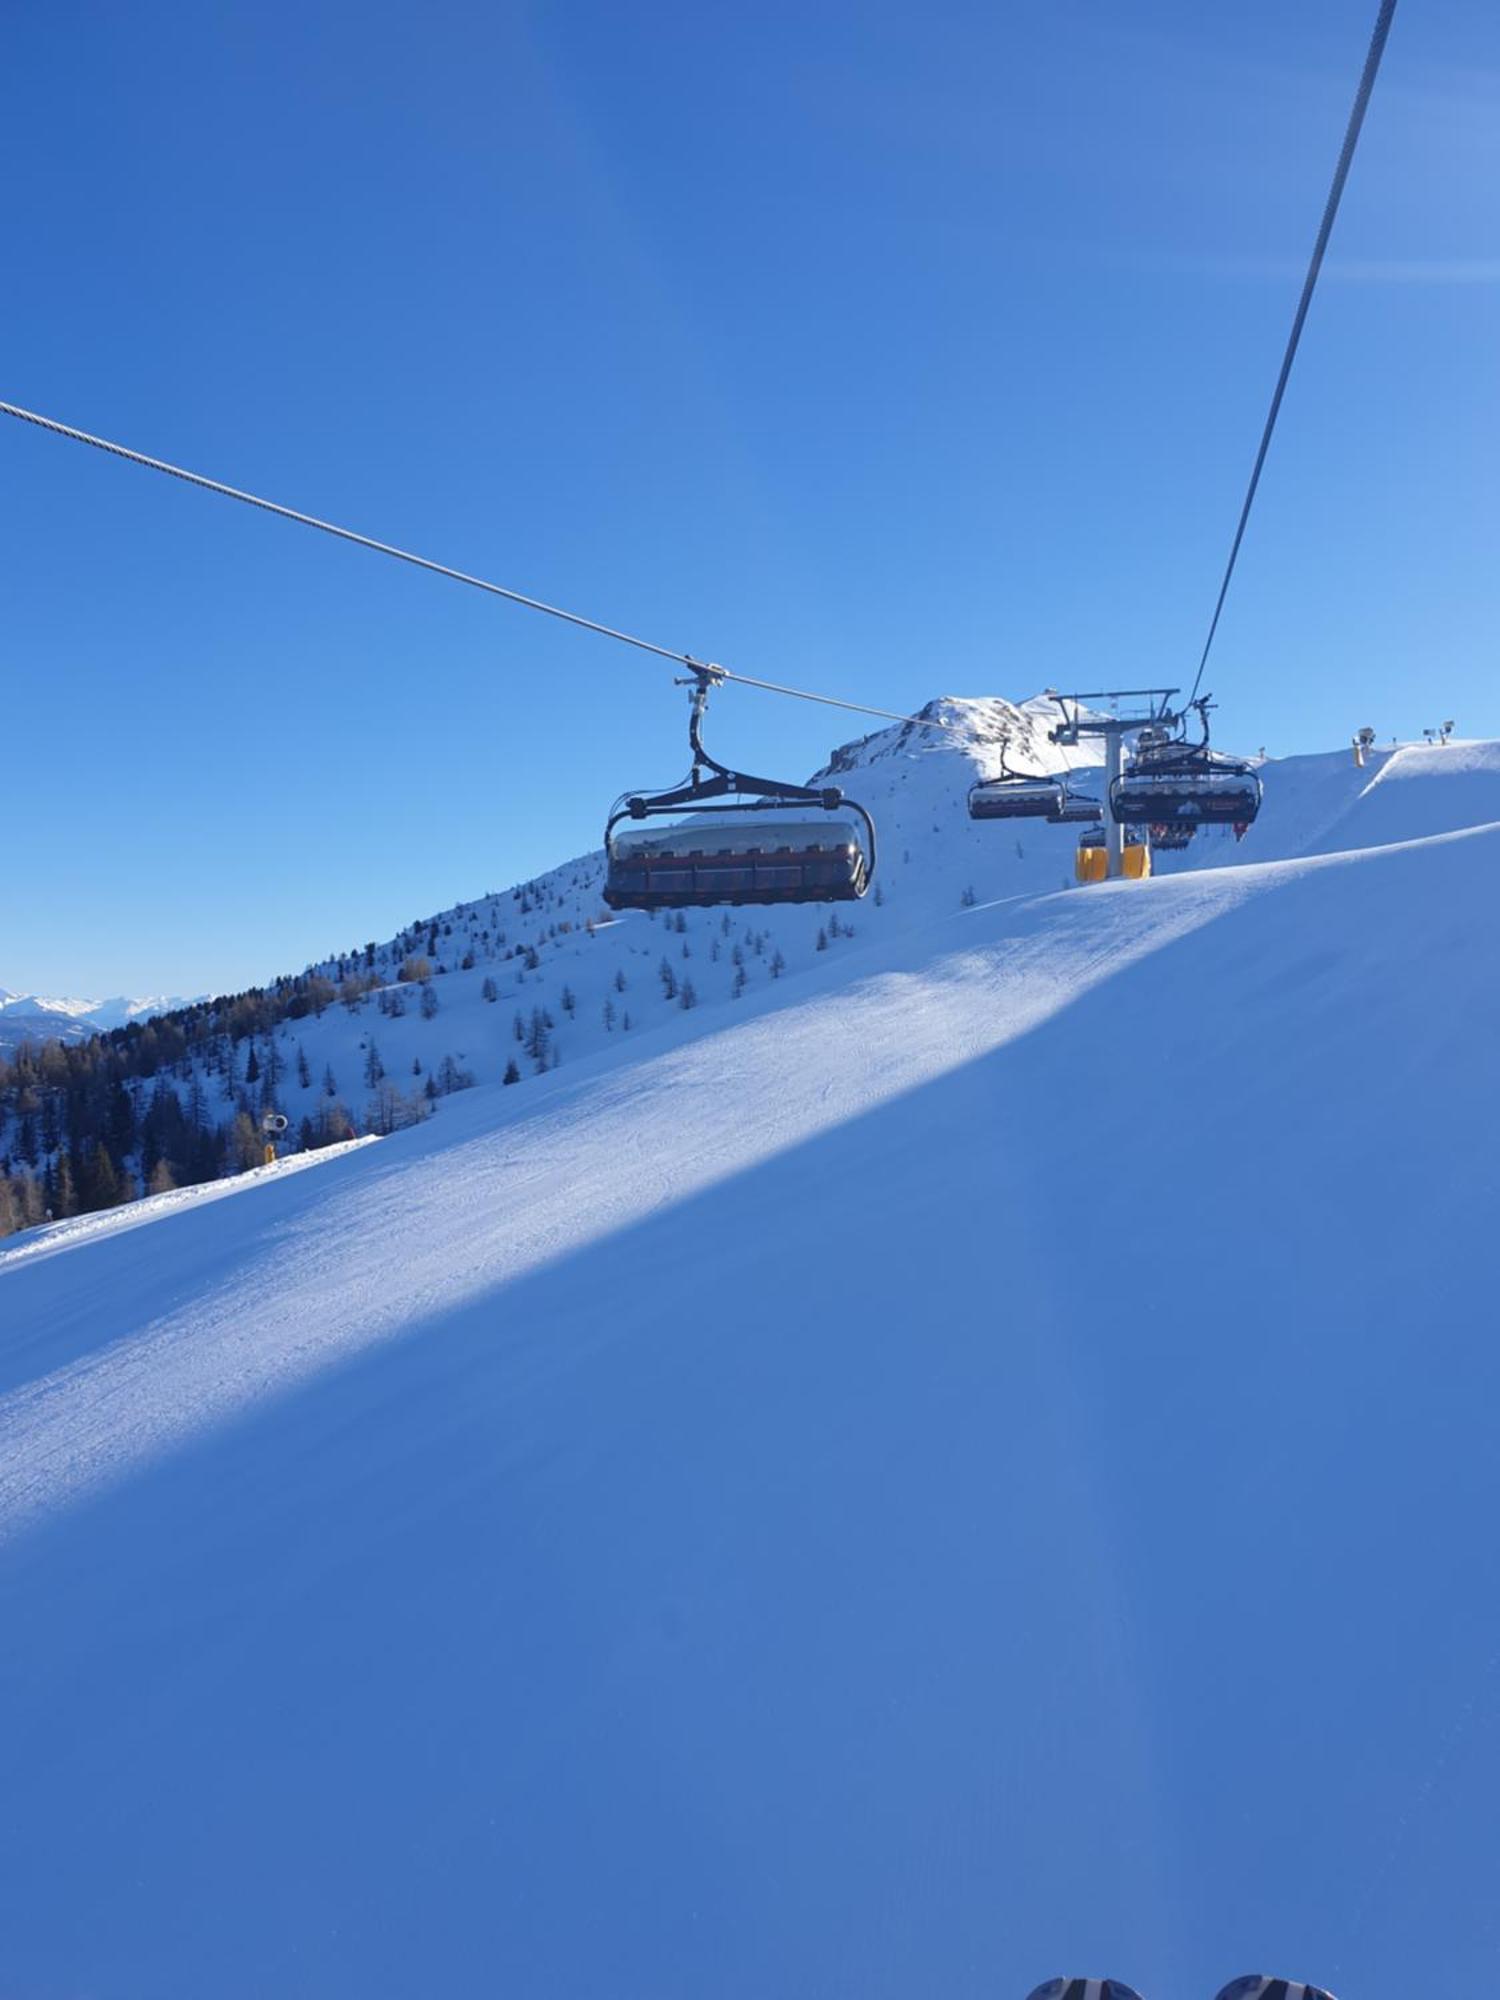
<point x="973" y="1457"/>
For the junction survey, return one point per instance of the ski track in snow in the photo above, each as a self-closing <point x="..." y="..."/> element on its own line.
<point x="971" y="1459"/>
<point x="478" y="1211"/>
<point x="472" y="1212"/>
<point x="52" y="1237"/>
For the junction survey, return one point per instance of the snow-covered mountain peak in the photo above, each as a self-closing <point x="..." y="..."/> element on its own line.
<point x="38" y="1016"/>
<point x="966" y="729"/>
<point x="111" y="1013"/>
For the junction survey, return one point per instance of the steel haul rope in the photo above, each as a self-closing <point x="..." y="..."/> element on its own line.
<point x="688" y="660"/>
<point x="1309" y="285"/>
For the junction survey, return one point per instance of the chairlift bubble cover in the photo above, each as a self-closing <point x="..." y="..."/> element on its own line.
<point x="1016" y="798"/>
<point x="738" y="861"/>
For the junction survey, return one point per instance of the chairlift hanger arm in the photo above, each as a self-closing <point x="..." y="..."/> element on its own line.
<point x="1006" y="776"/>
<point x="758" y="795"/>
<point x="705" y="678"/>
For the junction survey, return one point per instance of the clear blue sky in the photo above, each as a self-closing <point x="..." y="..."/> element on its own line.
<point x="893" y="350"/>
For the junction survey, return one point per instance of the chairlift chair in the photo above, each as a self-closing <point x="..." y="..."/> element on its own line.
<point x="715" y="853"/>
<point x="1172" y="783"/>
<point x="1091" y="862"/>
<point x="1094" y="836"/>
<point x="1012" y="795"/>
<point x="1077" y="809"/>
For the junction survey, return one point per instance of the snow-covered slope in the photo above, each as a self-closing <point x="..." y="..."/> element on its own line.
<point x="568" y="981"/>
<point x="970" y="1458"/>
<point x="1327" y="804"/>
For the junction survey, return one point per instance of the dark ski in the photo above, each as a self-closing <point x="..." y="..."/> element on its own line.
<point x="1257" y="1986"/>
<point x="1086" y="1989"/>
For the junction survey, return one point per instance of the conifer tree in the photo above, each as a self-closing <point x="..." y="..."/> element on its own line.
<point x="536" y="1038"/>
<point x="98" y="1181"/>
<point x="246" y="1147"/>
<point x="62" y="1195"/>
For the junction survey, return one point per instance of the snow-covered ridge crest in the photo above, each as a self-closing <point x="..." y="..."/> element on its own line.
<point x="967" y="728"/>
<point x="59" y="1015"/>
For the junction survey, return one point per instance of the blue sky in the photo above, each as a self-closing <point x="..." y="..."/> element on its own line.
<point x="889" y="350"/>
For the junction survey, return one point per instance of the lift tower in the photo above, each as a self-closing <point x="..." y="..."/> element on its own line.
<point x="1112" y="728"/>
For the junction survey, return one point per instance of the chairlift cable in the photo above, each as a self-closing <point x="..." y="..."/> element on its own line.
<point x="688" y="660"/>
<point x="1309" y="285"/>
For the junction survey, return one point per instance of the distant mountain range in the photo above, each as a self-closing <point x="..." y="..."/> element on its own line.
<point x="30" y="1017"/>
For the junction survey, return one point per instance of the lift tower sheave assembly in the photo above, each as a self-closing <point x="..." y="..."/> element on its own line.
<point x="1149" y="708"/>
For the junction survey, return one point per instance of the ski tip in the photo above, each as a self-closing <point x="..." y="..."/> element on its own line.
<point x="1085" y="1989"/>
<point x="1257" y="1986"/>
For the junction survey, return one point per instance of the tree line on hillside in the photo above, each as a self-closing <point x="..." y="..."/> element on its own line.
<point x="133" y="1111"/>
<point x="180" y="1099"/>
<point x="83" y="1132"/>
<point x="87" y="1125"/>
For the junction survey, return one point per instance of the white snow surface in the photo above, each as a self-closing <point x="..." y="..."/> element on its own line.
<point x="970" y="1459"/>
